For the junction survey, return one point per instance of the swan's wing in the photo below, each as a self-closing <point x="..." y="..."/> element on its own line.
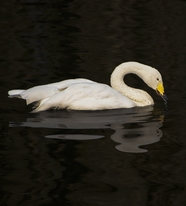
<point x="34" y="94"/>
<point x="38" y="93"/>
<point x="42" y="92"/>
<point x="98" y="97"/>
<point x="86" y="96"/>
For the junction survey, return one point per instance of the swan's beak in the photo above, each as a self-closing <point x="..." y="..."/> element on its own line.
<point x="160" y="91"/>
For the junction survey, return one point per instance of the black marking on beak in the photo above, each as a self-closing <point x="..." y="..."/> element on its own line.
<point x="163" y="96"/>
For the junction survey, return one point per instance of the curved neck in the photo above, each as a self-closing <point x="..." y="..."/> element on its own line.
<point x="140" y="97"/>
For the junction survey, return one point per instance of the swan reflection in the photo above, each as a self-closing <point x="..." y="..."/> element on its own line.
<point x="132" y="127"/>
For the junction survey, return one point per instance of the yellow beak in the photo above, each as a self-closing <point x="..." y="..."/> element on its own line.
<point x="160" y="91"/>
<point x="160" y="88"/>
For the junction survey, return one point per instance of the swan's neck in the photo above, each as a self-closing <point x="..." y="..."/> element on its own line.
<point x="140" y="97"/>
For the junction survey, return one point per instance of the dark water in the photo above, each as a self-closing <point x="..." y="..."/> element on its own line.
<point x="120" y="157"/>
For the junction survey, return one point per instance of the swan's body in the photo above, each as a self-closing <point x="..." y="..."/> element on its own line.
<point x="84" y="94"/>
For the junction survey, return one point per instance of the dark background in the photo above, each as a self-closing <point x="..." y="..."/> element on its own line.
<point x="48" y="41"/>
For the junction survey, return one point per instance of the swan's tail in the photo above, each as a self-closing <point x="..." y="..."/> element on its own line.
<point x="16" y="93"/>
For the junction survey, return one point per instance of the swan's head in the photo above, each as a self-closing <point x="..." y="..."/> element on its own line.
<point x="154" y="80"/>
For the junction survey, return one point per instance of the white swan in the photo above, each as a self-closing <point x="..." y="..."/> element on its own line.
<point x="84" y="94"/>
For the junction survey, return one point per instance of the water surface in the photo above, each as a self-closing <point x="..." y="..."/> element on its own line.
<point x="118" y="157"/>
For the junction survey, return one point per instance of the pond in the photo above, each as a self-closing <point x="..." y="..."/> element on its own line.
<point x="114" y="157"/>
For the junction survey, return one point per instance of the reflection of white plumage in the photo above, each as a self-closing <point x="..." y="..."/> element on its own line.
<point x="83" y="94"/>
<point x="130" y="128"/>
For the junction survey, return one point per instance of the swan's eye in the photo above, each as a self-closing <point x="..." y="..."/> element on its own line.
<point x="157" y="79"/>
